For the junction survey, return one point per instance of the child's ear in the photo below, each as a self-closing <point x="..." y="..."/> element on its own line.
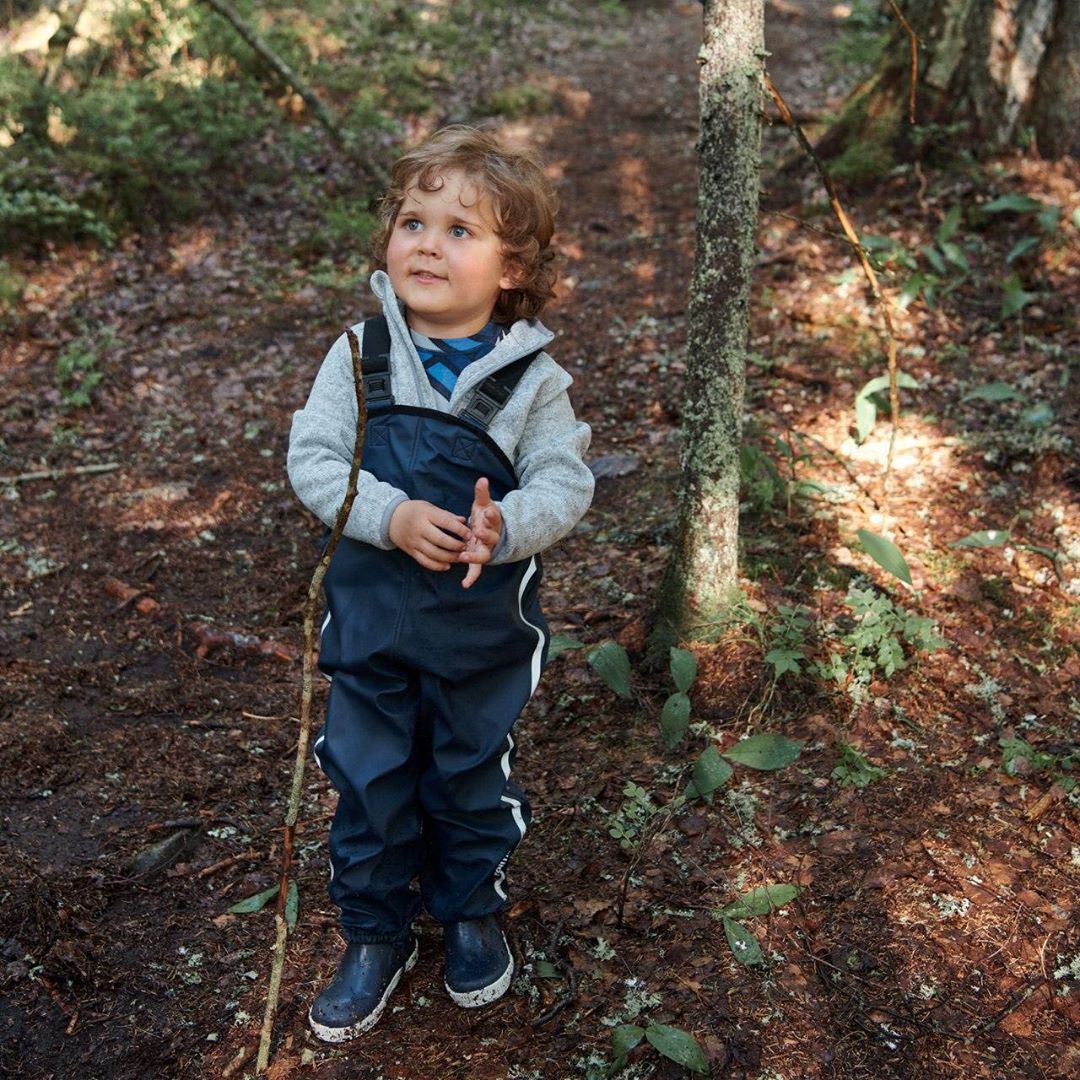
<point x="513" y="272"/>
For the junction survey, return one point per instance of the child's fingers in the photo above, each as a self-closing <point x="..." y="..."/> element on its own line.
<point x="447" y="531"/>
<point x="482" y="492"/>
<point x="471" y="575"/>
<point x="444" y="554"/>
<point x="429" y="563"/>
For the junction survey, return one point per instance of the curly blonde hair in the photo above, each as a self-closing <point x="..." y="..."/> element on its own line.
<point x="522" y="197"/>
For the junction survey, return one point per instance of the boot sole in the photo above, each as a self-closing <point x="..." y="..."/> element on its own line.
<point x="351" y="1031"/>
<point x="473" y="999"/>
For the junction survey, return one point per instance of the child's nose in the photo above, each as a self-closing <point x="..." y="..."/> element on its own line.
<point x="428" y="243"/>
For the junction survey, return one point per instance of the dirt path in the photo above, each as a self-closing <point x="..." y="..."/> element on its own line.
<point x="128" y="721"/>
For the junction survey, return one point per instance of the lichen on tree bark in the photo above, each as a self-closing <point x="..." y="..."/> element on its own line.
<point x="701" y="575"/>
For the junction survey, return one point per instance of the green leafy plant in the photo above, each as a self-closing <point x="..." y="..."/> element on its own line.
<point x="765" y="752"/>
<point x="934" y="269"/>
<point x="1014" y="297"/>
<point x="1046" y="218"/>
<point x="1020" y="758"/>
<point x="671" y="1042"/>
<point x="1024" y="426"/>
<point x="984" y="538"/>
<point x="12" y="285"/>
<point x="675" y="716"/>
<point x="861" y="39"/>
<point x="517" y="100"/>
<point x="853" y="770"/>
<point x="760" y="901"/>
<point x="876" y="642"/>
<point x="886" y="554"/>
<point x="944" y="267"/>
<point x="787" y="637"/>
<point x="993" y="538"/>
<point x="610" y="661"/>
<point x="1033" y="414"/>
<point x="256" y="902"/>
<point x="76" y="374"/>
<point x="872" y="398"/>
<point x="158" y="111"/>
<point x="630" y="824"/>
<point x="32" y="217"/>
<point x="763" y="486"/>
<point x="561" y="643"/>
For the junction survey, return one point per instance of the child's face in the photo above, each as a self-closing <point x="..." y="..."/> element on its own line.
<point x="445" y="258"/>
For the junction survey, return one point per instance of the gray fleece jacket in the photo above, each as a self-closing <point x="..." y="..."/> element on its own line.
<point x="536" y="429"/>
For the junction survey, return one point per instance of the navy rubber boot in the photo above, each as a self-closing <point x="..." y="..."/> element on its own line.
<point x="479" y="964"/>
<point x="354" y="1001"/>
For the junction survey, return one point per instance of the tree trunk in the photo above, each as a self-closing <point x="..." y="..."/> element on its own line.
<point x="701" y="577"/>
<point x="1003" y="69"/>
<point x="1056" y="114"/>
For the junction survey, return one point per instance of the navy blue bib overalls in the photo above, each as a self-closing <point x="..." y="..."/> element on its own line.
<point x="427" y="681"/>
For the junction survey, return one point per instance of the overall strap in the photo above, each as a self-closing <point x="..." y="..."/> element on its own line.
<point x="375" y="362"/>
<point x="494" y="392"/>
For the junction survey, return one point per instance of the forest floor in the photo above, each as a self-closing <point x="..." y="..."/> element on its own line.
<point x="929" y="819"/>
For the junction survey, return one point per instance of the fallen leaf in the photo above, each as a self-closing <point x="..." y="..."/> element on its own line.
<point x="591" y="908"/>
<point x="1020" y="1021"/>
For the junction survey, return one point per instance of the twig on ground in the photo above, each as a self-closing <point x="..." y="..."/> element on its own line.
<point x="245" y="856"/>
<point x="844" y="465"/>
<point x="178" y="823"/>
<point x="569" y="998"/>
<point x="305" y="712"/>
<point x="1045" y="801"/>
<point x="243" y="1056"/>
<point x="864" y="260"/>
<point x="1015" y="1001"/>
<point x="571" y="978"/>
<point x="60" y="474"/>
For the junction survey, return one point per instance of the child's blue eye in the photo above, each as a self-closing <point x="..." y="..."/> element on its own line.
<point x="409" y="224"/>
<point x="458" y="231"/>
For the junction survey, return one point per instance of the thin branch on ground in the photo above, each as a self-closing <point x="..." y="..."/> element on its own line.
<point x="60" y="474"/>
<point x="864" y="260"/>
<point x="571" y="977"/>
<point x="296" y="793"/>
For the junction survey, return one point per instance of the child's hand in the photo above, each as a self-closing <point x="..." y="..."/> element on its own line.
<point x="485" y="529"/>
<point x="421" y="530"/>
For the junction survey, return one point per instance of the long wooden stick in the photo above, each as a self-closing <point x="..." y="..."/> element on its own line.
<point x="293" y="812"/>
<point x="853" y="239"/>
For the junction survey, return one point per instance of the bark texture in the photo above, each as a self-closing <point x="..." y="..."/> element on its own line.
<point x="1056" y="114"/>
<point x="1003" y="68"/>
<point x="701" y="575"/>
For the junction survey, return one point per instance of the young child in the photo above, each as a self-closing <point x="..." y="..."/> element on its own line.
<point x="434" y="639"/>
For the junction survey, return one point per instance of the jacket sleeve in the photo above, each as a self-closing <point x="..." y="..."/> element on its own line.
<point x="555" y="486"/>
<point x="321" y="451"/>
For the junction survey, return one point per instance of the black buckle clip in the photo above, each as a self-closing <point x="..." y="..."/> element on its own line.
<point x="377" y="381"/>
<point x="486" y="402"/>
